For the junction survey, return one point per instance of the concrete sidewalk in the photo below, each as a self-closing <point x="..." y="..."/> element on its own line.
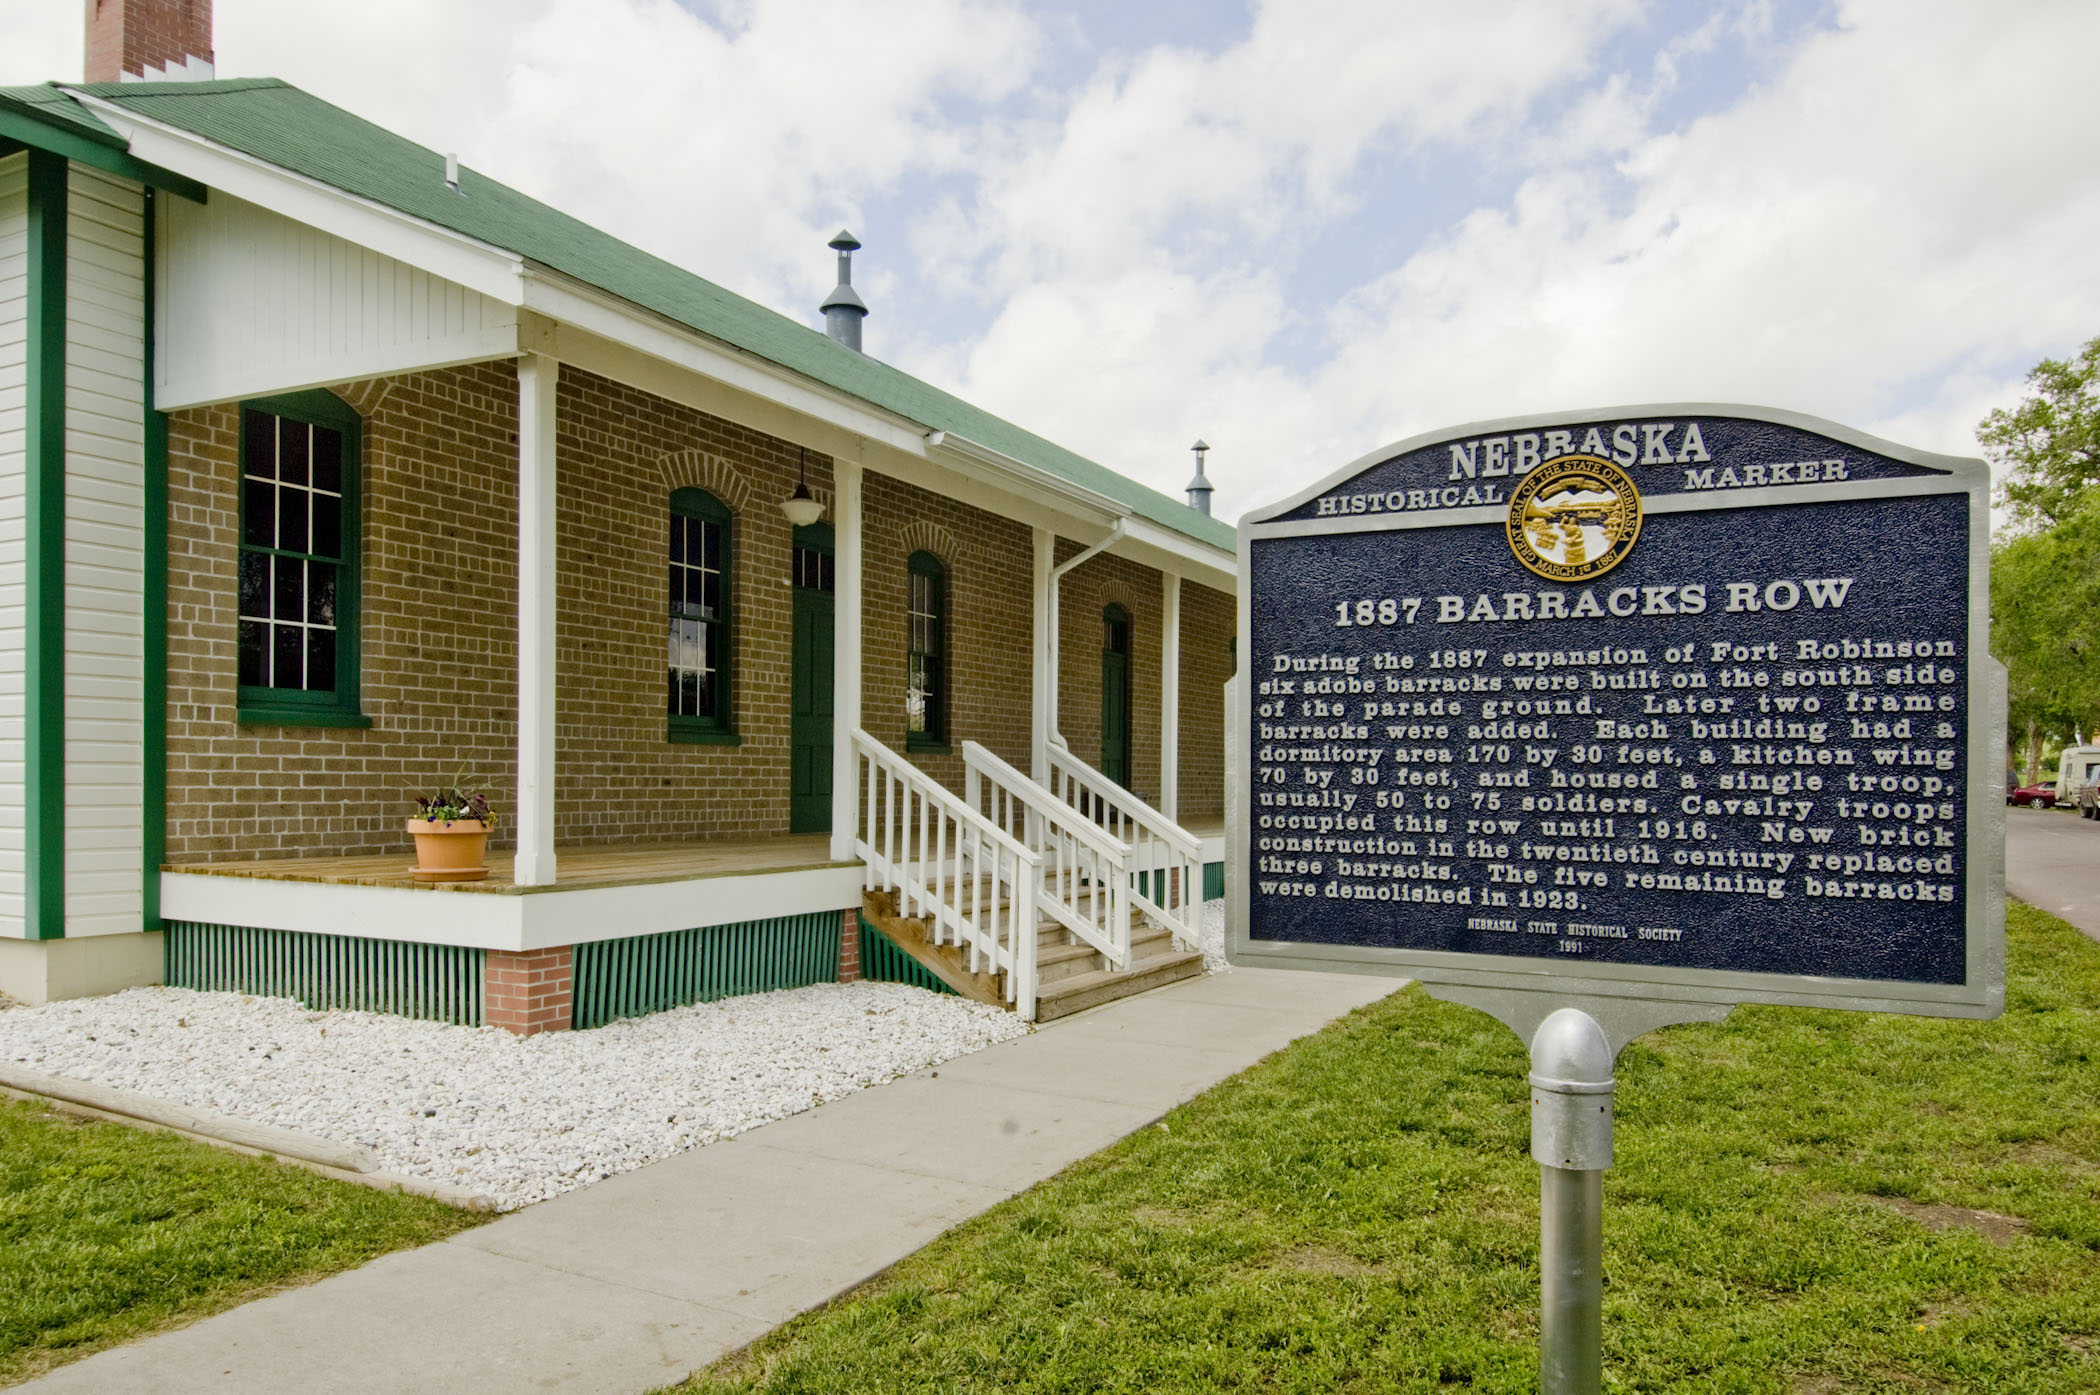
<point x="2049" y="864"/>
<point x="634" y="1282"/>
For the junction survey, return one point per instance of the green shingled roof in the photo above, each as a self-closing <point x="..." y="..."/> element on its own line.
<point x="49" y="103"/>
<point x="284" y="126"/>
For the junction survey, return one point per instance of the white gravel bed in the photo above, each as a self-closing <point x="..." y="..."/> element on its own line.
<point x="517" y="1119"/>
<point x="1214" y="937"/>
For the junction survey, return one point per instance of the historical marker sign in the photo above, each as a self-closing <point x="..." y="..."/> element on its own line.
<point x="1682" y="702"/>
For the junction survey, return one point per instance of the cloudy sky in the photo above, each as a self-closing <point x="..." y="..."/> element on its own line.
<point x="1297" y="228"/>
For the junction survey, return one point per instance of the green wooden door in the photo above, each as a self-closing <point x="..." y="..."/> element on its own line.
<point x="809" y="726"/>
<point x="1115" y="695"/>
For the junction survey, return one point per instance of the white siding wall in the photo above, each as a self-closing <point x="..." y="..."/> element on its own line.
<point x="14" y="343"/>
<point x="252" y="303"/>
<point x="105" y="575"/>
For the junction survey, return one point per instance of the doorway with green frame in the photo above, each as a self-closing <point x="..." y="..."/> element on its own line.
<point x="1115" y="694"/>
<point x="810" y="718"/>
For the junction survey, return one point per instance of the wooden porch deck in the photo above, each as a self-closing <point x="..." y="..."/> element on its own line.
<point x="577" y="868"/>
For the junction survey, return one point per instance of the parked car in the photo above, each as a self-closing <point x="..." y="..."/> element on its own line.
<point x="2044" y="795"/>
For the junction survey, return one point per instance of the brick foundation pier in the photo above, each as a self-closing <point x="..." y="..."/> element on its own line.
<point x="531" y="992"/>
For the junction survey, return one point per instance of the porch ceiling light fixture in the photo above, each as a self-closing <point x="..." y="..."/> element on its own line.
<point x="801" y="507"/>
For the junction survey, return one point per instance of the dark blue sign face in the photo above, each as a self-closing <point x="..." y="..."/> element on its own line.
<point x="1739" y="746"/>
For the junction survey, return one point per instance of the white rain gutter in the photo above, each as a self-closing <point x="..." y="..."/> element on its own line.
<point x="1035" y="475"/>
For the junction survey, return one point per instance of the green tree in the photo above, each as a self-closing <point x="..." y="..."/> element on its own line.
<point x="2045" y="569"/>
<point x="2044" y="588"/>
<point x="2049" y="446"/>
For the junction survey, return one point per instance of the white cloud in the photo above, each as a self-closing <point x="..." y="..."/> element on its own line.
<point x="1887" y="233"/>
<point x="1238" y="150"/>
<point x="1888" y="229"/>
<point x="734" y="148"/>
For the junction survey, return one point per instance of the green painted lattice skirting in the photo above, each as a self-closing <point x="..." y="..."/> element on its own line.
<point x="440" y="983"/>
<point x="1154" y="884"/>
<point x="629" y="978"/>
<point x="882" y="961"/>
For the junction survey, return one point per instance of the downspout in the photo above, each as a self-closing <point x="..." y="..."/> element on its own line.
<point x="1057" y="577"/>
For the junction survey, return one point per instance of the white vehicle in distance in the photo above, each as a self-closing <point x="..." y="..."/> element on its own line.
<point x="2077" y="773"/>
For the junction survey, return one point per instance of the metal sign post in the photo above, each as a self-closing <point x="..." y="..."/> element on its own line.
<point x="1572" y="1051"/>
<point x="1571" y="1089"/>
<point x="1613" y="720"/>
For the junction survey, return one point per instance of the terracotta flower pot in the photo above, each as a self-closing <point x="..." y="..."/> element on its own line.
<point x="450" y="852"/>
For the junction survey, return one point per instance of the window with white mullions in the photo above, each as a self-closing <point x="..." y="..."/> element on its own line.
<point x="697" y="681"/>
<point x="297" y="652"/>
<point x="814" y="568"/>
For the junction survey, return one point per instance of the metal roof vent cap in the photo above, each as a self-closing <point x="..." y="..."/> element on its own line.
<point x="843" y="308"/>
<point x="1199" y="487"/>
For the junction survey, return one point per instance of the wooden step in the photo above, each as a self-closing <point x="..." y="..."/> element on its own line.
<point x="1082" y="991"/>
<point x="1144" y="934"/>
<point x="1071" y="975"/>
<point x="1056" y="963"/>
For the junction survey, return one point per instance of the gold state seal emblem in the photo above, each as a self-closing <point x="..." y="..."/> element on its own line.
<point x="1574" y="517"/>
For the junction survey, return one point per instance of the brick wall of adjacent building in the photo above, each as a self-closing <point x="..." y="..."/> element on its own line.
<point x="1206" y="663"/>
<point x="439" y="583"/>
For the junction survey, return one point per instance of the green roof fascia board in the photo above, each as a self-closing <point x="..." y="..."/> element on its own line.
<point x="33" y="125"/>
<point x="44" y="569"/>
<point x="281" y="125"/>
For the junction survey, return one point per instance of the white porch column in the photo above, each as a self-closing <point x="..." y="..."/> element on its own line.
<point x="1170" y="694"/>
<point x="1042" y="659"/>
<point x="845" y="656"/>
<point x="537" y="377"/>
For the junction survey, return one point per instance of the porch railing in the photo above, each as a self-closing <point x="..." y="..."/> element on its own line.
<point x="1166" y="861"/>
<point x="976" y="886"/>
<point x="1086" y="872"/>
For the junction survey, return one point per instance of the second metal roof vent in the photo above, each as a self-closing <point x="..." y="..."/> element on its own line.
<point x="843" y="308"/>
<point x="1199" y="487"/>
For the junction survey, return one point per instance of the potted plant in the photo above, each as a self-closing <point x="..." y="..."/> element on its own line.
<point x="452" y="835"/>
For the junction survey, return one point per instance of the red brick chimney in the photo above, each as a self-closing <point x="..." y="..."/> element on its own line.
<point x="132" y="39"/>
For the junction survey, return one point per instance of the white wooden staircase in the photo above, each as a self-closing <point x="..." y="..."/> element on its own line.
<point x="1047" y="899"/>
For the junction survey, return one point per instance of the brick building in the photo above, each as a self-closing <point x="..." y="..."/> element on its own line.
<point x="330" y="472"/>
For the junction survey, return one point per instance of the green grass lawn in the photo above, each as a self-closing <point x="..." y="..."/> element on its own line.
<point x="1798" y="1207"/>
<point x="107" y="1232"/>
